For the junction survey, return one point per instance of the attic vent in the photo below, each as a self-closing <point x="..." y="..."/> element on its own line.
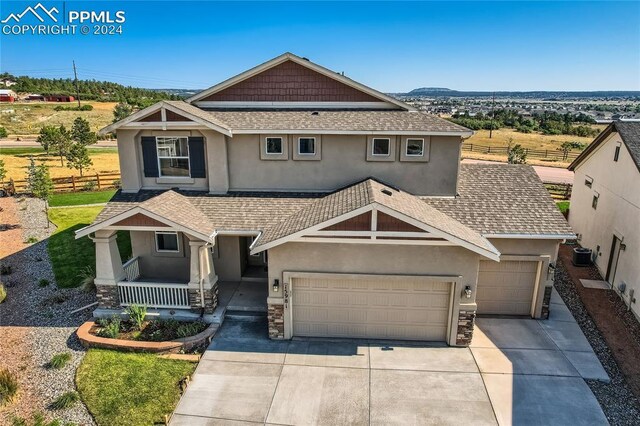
<point x="306" y="59"/>
<point x="387" y="192"/>
<point x="315" y="113"/>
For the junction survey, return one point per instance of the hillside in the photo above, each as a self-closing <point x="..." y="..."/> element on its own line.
<point x="540" y="94"/>
<point x="102" y="91"/>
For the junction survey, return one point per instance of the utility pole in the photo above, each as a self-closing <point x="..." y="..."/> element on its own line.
<point x="493" y="105"/>
<point x="75" y="73"/>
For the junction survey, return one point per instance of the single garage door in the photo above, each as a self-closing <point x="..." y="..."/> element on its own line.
<point x="506" y="288"/>
<point x="405" y="308"/>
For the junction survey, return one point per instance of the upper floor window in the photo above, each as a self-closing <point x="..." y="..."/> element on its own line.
<point x="173" y="156"/>
<point x="307" y="146"/>
<point x="415" y="147"/>
<point x="167" y="242"/>
<point x="588" y="181"/>
<point x="273" y="145"/>
<point x="381" y="146"/>
<point x="616" y="154"/>
<point x="594" y="202"/>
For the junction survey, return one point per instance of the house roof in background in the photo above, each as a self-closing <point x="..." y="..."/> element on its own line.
<point x="629" y="133"/>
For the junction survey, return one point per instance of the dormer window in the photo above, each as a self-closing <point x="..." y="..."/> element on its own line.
<point x="381" y="146"/>
<point x="415" y="148"/>
<point x="273" y="146"/>
<point x="307" y="146"/>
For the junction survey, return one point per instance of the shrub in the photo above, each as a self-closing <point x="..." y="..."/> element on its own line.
<point x="137" y="313"/>
<point x="64" y="401"/>
<point x="3" y="293"/>
<point x="190" y="329"/>
<point x="117" y="183"/>
<point x="516" y="154"/>
<point x="31" y="240"/>
<point x="110" y="328"/>
<point x="3" y="132"/>
<point x="87" y="279"/>
<point x="8" y="386"/>
<point x="5" y="269"/>
<point x="43" y="282"/>
<point x="60" y="360"/>
<point x="90" y="185"/>
<point x="38" y="419"/>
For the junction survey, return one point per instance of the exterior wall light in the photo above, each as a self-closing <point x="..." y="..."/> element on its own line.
<point x="467" y="292"/>
<point x="551" y="269"/>
<point x="276" y="286"/>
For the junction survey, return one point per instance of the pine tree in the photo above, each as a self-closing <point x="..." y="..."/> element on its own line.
<point x="121" y="111"/>
<point x="3" y="171"/>
<point x="78" y="157"/>
<point x="62" y="143"/>
<point x="40" y="183"/>
<point x="81" y="132"/>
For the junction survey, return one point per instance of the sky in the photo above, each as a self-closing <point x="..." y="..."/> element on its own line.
<point x="391" y="46"/>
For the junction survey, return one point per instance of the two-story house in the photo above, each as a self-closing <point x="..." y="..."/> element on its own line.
<point x="348" y="207"/>
<point x="605" y="206"/>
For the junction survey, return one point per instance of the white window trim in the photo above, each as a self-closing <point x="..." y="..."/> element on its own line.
<point x="171" y="233"/>
<point x="373" y="147"/>
<point x="188" y="157"/>
<point x="588" y="181"/>
<point x="406" y="147"/>
<point x="266" y="145"/>
<point x="314" y="146"/>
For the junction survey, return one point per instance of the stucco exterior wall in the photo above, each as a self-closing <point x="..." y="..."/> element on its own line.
<point x="165" y="266"/>
<point x="617" y="213"/>
<point x="227" y="258"/>
<point x="343" y="162"/>
<point x="379" y="259"/>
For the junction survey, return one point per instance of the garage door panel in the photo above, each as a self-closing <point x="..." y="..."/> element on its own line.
<point x="506" y="288"/>
<point x="411" y="308"/>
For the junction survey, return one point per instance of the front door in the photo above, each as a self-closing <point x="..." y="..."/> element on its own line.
<point x="613" y="260"/>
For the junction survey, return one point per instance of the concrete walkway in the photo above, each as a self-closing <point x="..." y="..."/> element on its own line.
<point x="517" y="371"/>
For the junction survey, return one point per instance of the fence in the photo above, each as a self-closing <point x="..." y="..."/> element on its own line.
<point x="559" y="191"/>
<point x="72" y="183"/>
<point x="550" y="154"/>
<point x="154" y="295"/>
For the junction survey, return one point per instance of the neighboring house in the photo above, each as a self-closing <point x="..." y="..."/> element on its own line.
<point x="348" y="207"/>
<point x="605" y="206"/>
<point x="7" y="95"/>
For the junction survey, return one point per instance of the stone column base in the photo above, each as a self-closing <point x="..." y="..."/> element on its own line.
<point x="546" y="302"/>
<point x="107" y="296"/>
<point x="275" y="317"/>
<point x="210" y="299"/>
<point x="466" y="323"/>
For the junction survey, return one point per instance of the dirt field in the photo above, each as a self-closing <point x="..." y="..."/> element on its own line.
<point x="105" y="160"/>
<point x="26" y="118"/>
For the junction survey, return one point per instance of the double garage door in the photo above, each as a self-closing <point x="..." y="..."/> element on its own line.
<point x="407" y="308"/>
<point x="507" y="287"/>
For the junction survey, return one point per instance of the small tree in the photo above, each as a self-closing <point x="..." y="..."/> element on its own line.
<point x="568" y="146"/>
<point x="516" y="154"/>
<point x="3" y="171"/>
<point x="62" y="143"/>
<point x="78" y="157"/>
<point x="121" y="111"/>
<point x="40" y="184"/>
<point x="3" y="132"/>
<point x="81" y="132"/>
<point x="47" y="137"/>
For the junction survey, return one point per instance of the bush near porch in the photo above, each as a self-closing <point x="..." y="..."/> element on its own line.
<point x="70" y="257"/>
<point x="130" y="388"/>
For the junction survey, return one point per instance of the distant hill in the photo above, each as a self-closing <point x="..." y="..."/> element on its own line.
<point x="547" y="95"/>
<point x="90" y="90"/>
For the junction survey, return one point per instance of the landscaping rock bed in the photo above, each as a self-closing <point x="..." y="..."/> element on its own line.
<point x="616" y="398"/>
<point x="35" y="318"/>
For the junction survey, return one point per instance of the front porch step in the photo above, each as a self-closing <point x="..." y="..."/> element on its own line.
<point x="245" y="314"/>
<point x="254" y="279"/>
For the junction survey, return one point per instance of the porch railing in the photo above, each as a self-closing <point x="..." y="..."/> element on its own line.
<point x="154" y="295"/>
<point x="131" y="269"/>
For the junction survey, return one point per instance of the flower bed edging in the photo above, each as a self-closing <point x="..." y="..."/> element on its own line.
<point x="186" y="344"/>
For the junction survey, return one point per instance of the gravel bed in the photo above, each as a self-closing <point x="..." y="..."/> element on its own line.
<point x="45" y="311"/>
<point x="617" y="400"/>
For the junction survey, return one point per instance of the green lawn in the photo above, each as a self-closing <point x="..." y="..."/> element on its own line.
<point x="70" y="257"/>
<point x="78" y="198"/>
<point x="129" y="388"/>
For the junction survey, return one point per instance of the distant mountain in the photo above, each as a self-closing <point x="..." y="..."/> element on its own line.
<point x="181" y="93"/>
<point x="539" y="94"/>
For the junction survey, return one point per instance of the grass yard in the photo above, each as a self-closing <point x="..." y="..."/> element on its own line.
<point x="26" y="118"/>
<point x="16" y="160"/>
<point x="78" y="198"/>
<point x="563" y="206"/>
<point x="122" y="388"/>
<point x="70" y="257"/>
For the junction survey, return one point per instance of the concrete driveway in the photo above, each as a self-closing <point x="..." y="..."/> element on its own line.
<point x="516" y="372"/>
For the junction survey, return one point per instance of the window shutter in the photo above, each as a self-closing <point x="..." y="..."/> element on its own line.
<point x="197" y="162"/>
<point x="150" y="156"/>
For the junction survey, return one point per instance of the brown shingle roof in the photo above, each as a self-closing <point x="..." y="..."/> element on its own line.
<point x="384" y="121"/>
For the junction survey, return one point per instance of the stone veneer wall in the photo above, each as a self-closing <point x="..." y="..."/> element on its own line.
<point x="546" y="301"/>
<point x="466" y="322"/>
<point x="107" y="296"/>
<point x="210" y="299"/>
<point x="275" y="317"/>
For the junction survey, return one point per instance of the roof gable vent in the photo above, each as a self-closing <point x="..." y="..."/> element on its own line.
<point x="387" y="192"/>
<point x="315" y="113"/>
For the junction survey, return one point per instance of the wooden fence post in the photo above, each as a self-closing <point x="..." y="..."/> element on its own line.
<point x="98" y="179"/>
<point x="73" y="182"/>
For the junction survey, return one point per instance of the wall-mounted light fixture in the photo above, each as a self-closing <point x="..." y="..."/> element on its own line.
<point x="276" y="286"/>
<point x="551" y="269"/>
<point x="623" y="246"/>
<point x="467" y="292"/>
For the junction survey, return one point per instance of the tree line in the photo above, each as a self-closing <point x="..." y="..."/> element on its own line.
<point x="548" y="123"/>
<point x="91" y="90"/>
<point x="70" y="145"/>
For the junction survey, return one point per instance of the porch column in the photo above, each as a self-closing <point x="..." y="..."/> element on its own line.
<point x="108" y="269"/>
<point x="201" y="259"/>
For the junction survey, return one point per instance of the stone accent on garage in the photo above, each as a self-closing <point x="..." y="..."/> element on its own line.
<point x="107" y="296"/>
<point x="466" y="323"/>
<point x="210" y="299"/>
<point x="546" y="301"/>
<point x="275" y="317"/>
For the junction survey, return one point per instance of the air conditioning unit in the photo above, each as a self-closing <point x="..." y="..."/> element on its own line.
<point x="581" y="256"/>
